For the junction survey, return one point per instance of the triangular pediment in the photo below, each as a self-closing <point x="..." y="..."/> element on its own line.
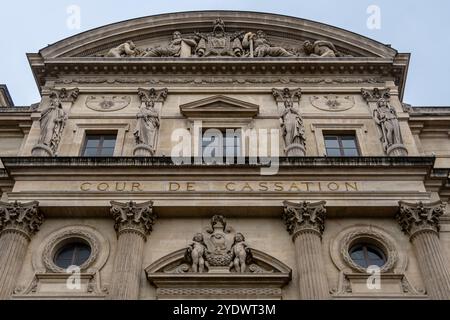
<point x="219" y="106"/>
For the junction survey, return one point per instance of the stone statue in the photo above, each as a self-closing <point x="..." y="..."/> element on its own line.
<point x="292" y="125"/>
<point x="195" y="254"/>
<point x="386" y="117"/>
<point x="127" y="49"/>
<point x="219" y="42"/>
<point x="320" y="48"/>
<point x="147" y="125"/>
<point x="52" y="123"/>
<point x="241" y="253"/>
<point x="261" y="46"/>
<point x="174" y="49"/>
<point x="148" y="122"/>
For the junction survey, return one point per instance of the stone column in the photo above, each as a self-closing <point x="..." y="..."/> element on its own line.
<point x="18" y="223"/>
<point x="306" y="223"/>
<point x="133" y="223"/>
<point x="421" y="223"/>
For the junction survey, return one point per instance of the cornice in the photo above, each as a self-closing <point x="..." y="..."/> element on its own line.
<point x="299" y="162"/>
<point x="142" y="67"/>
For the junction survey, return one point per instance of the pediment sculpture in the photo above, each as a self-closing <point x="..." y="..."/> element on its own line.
<point x="221" y="43"/>
<point x="218" y="263"/>
<point x="218" y="250"/>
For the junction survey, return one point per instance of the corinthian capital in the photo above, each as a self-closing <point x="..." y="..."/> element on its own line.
<point x="133" y="217"/>
<point x="20" y="217"/>
<point x="152" y="96"/>
<point x="304" y="216"/>
<point x="65" y="95"/>
<point x="287" y="96"/>
<point x="376" y="94"/>
<point x="417" y="217"/>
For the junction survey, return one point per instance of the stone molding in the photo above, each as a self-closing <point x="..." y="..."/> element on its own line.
<point x="345" y="239"/>
<point x="133" y="217"/>
<point x="89" y="162"/>
<point x="24" y="218"/>
<point x="369" y="235"/>
<point x="304" y="217"/>
<point x="59" y="239"/>
<point x="100" y="248"/>
<point x="415" y="218"/>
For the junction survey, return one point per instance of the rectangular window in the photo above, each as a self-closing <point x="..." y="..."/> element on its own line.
<point x="99" y="145"/>
<point x="341" y="146"/>
<point x="231" y="141"/>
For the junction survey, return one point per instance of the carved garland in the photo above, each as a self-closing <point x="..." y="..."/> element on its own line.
<point x="60" y="239"/>
<point x="369" y="236"/>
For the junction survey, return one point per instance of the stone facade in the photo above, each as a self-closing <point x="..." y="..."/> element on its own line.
<point x="159" y="222"/>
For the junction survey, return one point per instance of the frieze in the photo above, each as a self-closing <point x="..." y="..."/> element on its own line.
<point x="219" y="80"/>
<point x="221" y="186"/>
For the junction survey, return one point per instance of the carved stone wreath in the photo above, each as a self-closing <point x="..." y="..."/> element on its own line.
<point x="371" y="237"/>
<point x="68" y="236"/>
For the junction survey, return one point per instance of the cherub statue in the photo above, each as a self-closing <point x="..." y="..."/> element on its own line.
<point x="195" y="254"/>
<point x="242" y="254"/>
<point x="127" y="49"/>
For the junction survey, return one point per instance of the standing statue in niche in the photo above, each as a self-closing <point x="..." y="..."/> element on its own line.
<point x="195" y="254"/>
<point x="321" y="48"/>
<point x="52" y="123"/>
<point x="386" y="117"/>
<point x="148" y="122"/>
<point x="291" y="122"/>
<point x="261" y="47"/>
<point x="127" y="49"/>
<point x="292" y="125"/>
<point x="241" y="253"/>
<point x="174" y="49"/>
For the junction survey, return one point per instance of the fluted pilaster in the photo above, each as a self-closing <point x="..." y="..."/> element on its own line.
<point x="18" y="223"/>
<point x="306" y="223"/>
<point x="133" y="223"/>
<point x="421" y="222"/>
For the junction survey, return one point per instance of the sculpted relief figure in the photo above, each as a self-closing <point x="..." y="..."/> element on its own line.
<point x="195" y="254"/>
<point x="219" y="42"/>
<point x="386" y="117"/>
<point x="174" y="49"/>
<point x="241" y="253"/>
<point x="52" y="123"/>
<point x="321" y="49"/>
<point x="127" y="49"/>
<point x="261" y="46"/>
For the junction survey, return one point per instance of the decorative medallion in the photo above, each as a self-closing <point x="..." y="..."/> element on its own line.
<point x="108" y="103"/>
<point x="333" y="103"/>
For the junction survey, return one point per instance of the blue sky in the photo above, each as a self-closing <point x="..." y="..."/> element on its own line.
<point x="420" y="27"/>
